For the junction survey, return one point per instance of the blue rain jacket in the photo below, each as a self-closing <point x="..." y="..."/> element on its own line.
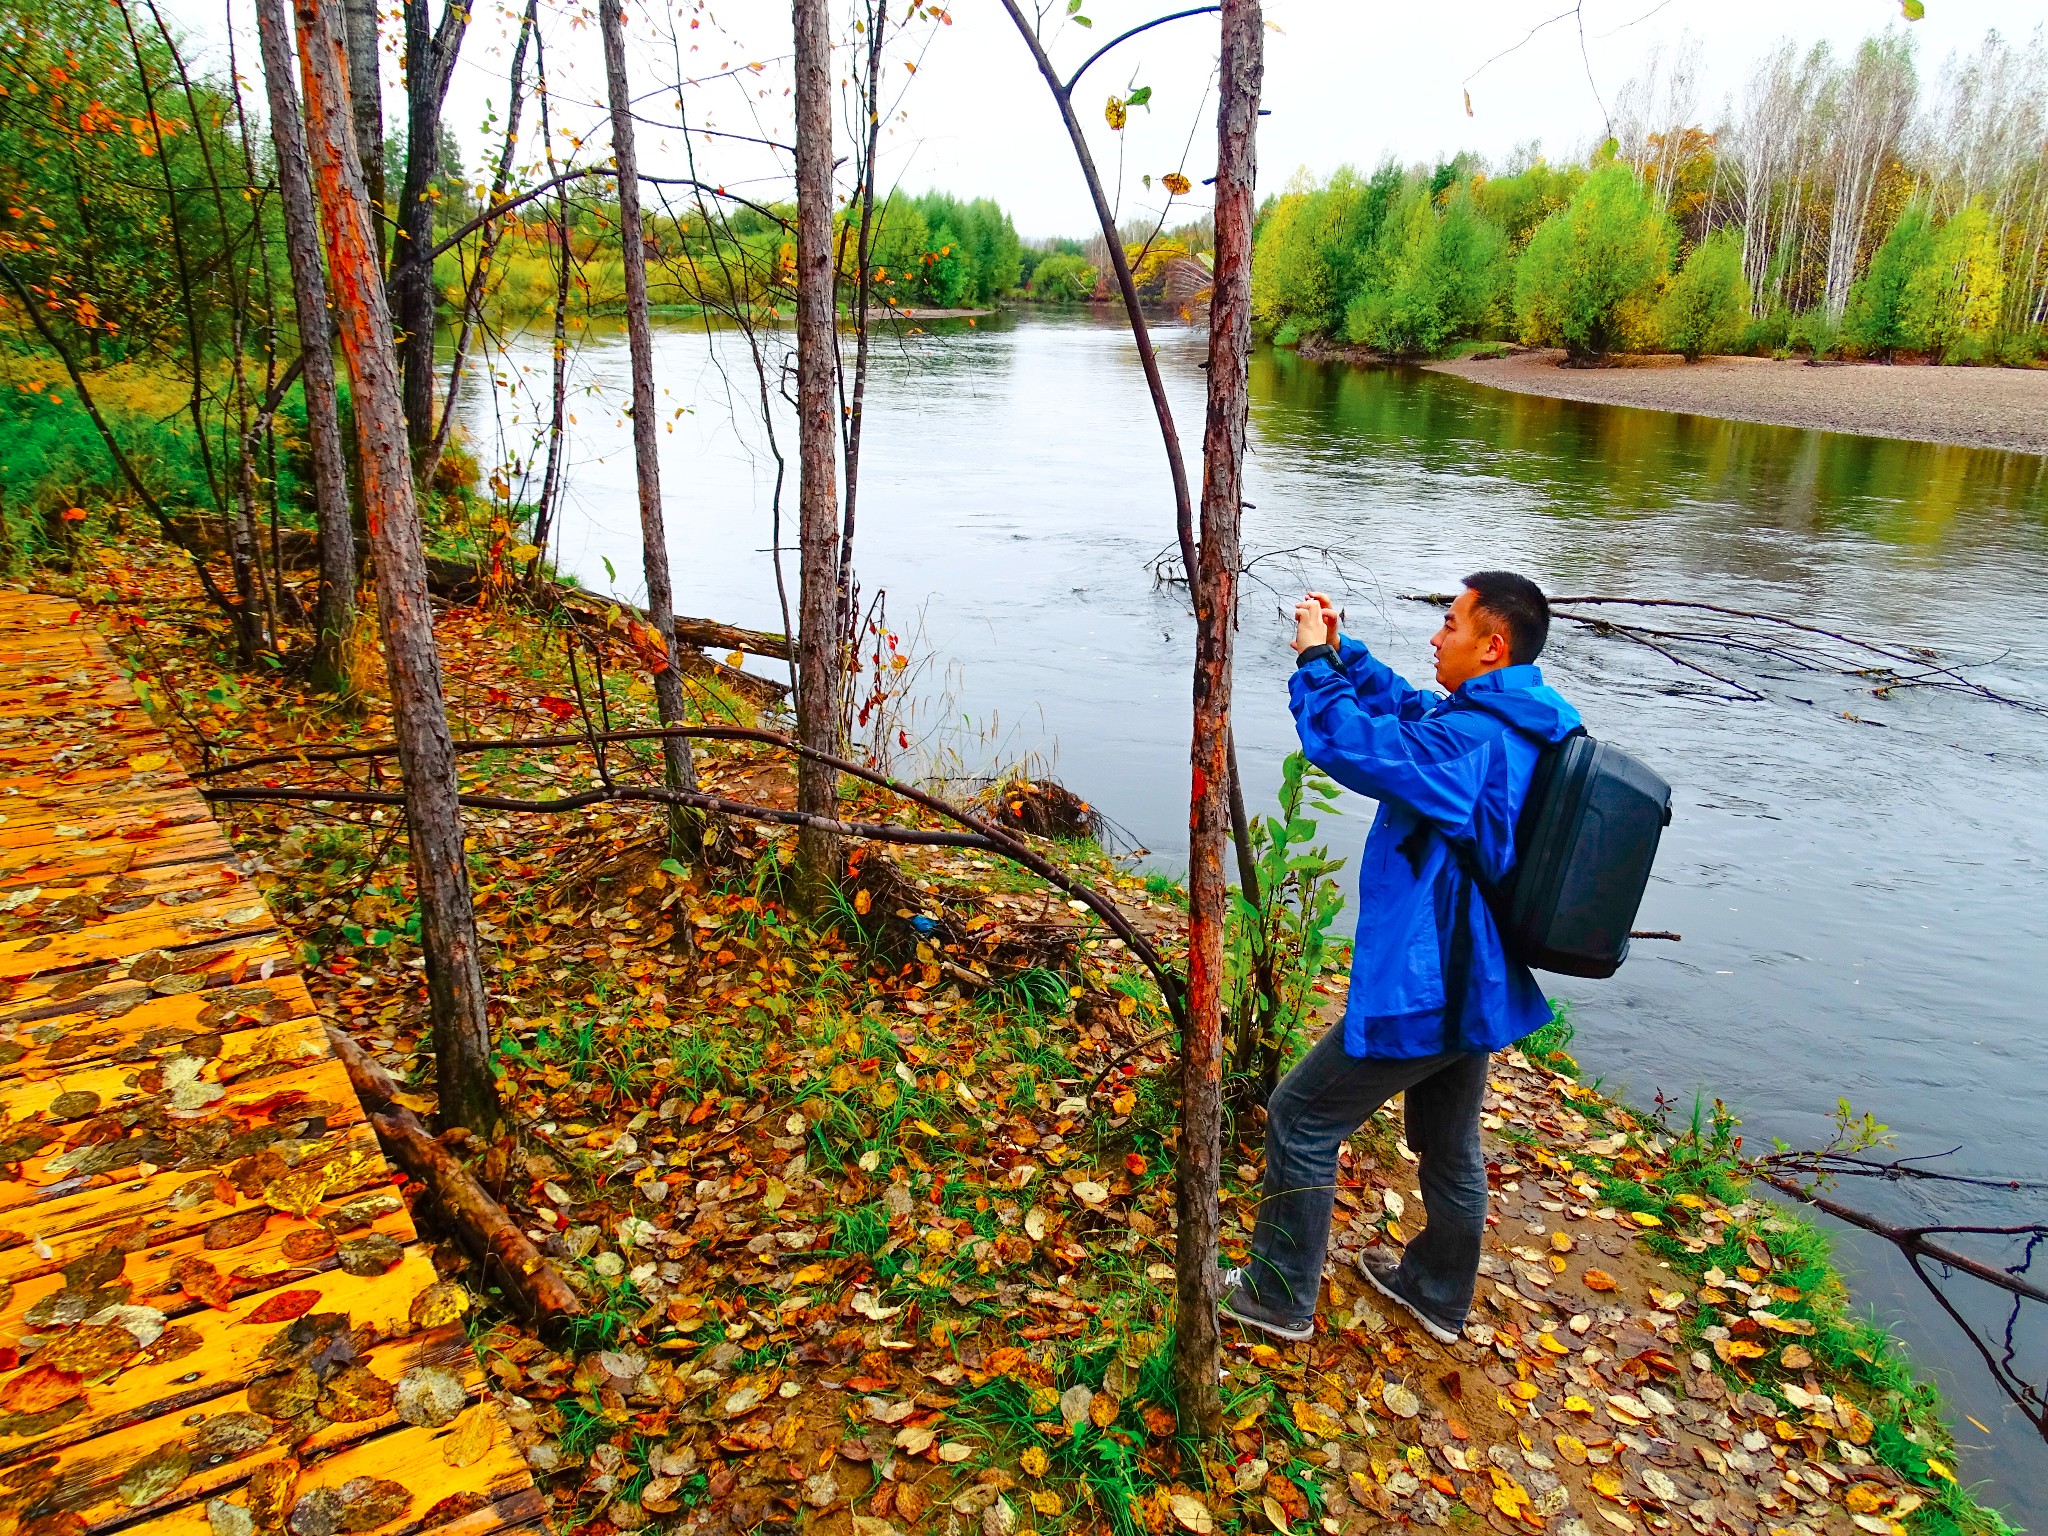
<point x="1440" y="768"/>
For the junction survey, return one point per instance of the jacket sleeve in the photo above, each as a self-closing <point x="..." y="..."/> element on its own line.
<point x="1379" y="688"/>
<point x="1436" y="766"/>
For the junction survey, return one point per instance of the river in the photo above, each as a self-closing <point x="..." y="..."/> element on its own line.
<point x="1858" y="880"/>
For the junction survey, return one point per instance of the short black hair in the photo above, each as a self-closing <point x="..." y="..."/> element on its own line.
<point x="1519" y="606"/>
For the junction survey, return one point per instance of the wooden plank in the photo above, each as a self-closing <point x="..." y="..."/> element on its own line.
<point x="181" y="1161"/>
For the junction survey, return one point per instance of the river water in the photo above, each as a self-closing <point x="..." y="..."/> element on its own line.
<point x="1858" y="880"/>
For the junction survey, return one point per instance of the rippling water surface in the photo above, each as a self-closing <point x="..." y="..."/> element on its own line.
<point x="1859" y="881"/>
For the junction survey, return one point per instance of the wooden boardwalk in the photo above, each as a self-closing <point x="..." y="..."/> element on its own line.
<point x="215" y="1316"/>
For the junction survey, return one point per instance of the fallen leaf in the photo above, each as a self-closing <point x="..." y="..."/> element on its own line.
<point x="1191" y="1513"/>
<point x="283" y="1307"/>
<point x="1600" y="1280"/>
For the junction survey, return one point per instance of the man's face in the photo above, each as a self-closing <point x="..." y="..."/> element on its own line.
<point x="1470" y="642"/>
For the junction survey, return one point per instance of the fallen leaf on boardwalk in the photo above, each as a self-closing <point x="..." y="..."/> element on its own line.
<point x="88" y="1350"/>
<point x="372" y="1255"/>
<point x="285" y="1397"/>
<point x="283" y="1307"/>
<point x="38" y="1389"/>
<point x="299" y="1191"/>
<point x="438" y="1305"/>
<point x="355" y="1395"/>
<point x="148" y="762"/>
<point x="202" y="1282"/>
<point x="429" y="1395"/>
<point x="1192" y="1513"/>
<point x="225" y="1519"/>
<point x="473" y="1436"/>
<point x="1599" y="1280"/>
<point x="155" y="1475"/>
<point x="307" y="1245"/>
<point x="233" y="1231"/>
<point x="272" y="1488"/>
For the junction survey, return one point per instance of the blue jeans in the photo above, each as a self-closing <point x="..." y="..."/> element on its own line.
<point x="1315" y="1110"/>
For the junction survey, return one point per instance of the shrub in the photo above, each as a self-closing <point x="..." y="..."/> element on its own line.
<point x="1063" y="279"/>
<point x="1591" y="271"/>
<point x="1703" y="309"/>
<point x="1876" y="322"/>
<point x="1953" y="296"/>
<point x="1447" y="279"/>
<point x="1765" y="335"/>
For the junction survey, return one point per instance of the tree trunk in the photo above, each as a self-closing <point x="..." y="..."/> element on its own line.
<point x="455" y="987"/>
<point x="817" y="355"/>
<point x="1197" y="1351"/>
<point x="487" y="247"/>
<point x="678" y="771"/>
<point x="877" y="22"/>
<point x="558" y="396"/>
<point x="366" y="106"/>
<point x="429" y="62"/>
<point x="336" y="609"/>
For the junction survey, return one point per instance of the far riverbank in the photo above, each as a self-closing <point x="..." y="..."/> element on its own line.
<point x="2001" y="408"/>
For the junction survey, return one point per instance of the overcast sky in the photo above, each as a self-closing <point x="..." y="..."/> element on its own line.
<point x="1347" y="81"/>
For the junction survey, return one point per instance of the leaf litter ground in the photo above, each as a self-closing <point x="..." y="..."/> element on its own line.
<point x="866" y="1247"/>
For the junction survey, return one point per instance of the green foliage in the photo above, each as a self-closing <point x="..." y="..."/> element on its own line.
<point x="1953" y="297"/>
<point x="1550" y="1045"/>
<point x="1062" y="278"/>
<point x="1592" y="270"/>
<point x="1445" y="277"/>
<point x="974" y="254"/>
<point x="1877" y="321"/>
<point x="1703" y="309"/>
<point x="1275" y="949"/>
<point x="1523" y="200"/>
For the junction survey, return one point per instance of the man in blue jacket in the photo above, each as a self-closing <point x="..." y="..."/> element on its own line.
<point x="1433" y="992"/>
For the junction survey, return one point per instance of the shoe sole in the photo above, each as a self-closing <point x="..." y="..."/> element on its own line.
<point x="1430" y="1325"/>
<point x="1271" y="1330"/>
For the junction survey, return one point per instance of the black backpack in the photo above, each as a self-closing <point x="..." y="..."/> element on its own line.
<point x="1584" y="844"/>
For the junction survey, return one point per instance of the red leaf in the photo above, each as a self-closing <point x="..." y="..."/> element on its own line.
<point x="284" y="1307"/>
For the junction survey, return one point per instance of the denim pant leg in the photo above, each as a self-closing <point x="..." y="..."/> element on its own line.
<point x="1316" y="1109"/>
<point x="1441" y="1266"/>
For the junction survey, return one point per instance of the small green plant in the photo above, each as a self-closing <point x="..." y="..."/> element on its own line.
<point x="1280" y="933"/>
<point x="1549" y="1045"/>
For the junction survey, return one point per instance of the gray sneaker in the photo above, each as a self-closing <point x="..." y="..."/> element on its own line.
<point x="1382" y="1272"/>
<point x="1240" y="1306"/>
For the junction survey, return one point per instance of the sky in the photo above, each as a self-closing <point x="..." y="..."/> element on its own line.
<point x="1347" y="82"/>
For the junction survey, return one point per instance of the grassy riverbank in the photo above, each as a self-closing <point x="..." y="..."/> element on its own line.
<point x="868" y="1234"/>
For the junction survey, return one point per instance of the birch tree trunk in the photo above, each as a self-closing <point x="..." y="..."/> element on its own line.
<point x="426" y="755"/>
<point x="366" y="106"/>
<point x="335" y="610"/>
<point x="1197" y="1350"/>
<point x="678" y="769"/>
<point x="817" y="356"/>
<point x="429" y="64"/>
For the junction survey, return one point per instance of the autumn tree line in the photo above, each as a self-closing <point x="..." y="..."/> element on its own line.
<point x="1840" y="206"/>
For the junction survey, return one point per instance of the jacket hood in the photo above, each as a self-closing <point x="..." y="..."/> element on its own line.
<point x="1519" y="697"/>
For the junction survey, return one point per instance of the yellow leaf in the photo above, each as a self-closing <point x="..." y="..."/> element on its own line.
<point x="148" y="762"/>
<point x="1511" y="1500"/>
<point x="734" y="658"/>
<point x="1033" y="1461"/>
<point x="862" y="901"/>
<point x="472" y="1437"/>
<point x="522" y="552"/>
<point x="1553" y="1343"/>
<point x="1577" y="1404"/>
<point x="1940" y="1471"/>
<point x="1644" y="1219"/>
<point x="1045" y="1501"/>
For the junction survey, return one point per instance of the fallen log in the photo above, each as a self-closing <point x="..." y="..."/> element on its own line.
<point x="493" y="1239"/>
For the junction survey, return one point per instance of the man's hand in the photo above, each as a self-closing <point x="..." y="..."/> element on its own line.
<point x="1315" y="622"/>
